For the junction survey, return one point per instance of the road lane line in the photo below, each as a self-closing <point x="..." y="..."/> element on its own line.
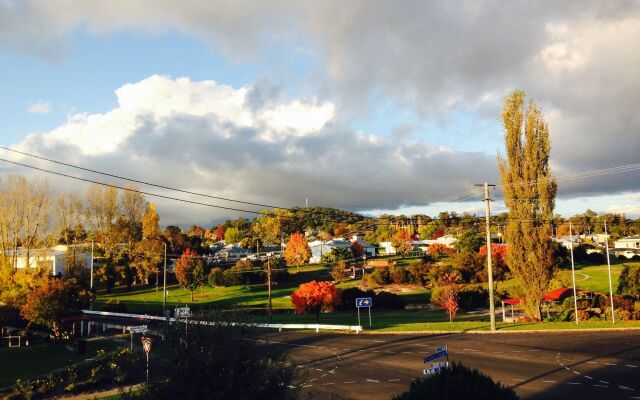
<point x="550" y="381"/>
<point x="588" y="377"/>
<point x="349" y="382"/>
<point x="328" y="383"/>
<point x="605" y="386"/>
<point x="592" y="362"/>
<point x="605" y="382"/>
<point x="609" y="364"/>
<point x="406" y="352"/>
<point x="393" y="380"/>
<point x="625" y="387"/>
<point x="373" y="380"/>
<point x="307" y="385"/>
<point x="574" y="383"/>
<point x="631" y="366"/>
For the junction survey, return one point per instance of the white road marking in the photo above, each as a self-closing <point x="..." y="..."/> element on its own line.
<point x="592" y="362"/>
<point x="517" y="380"/>
<point x="600" y="385"/>
<point x="625" y="387"/>
<point x="376" y="351"/>
<point x="516" y="351"/>
<point x="318" y="369"/>
<point x="323" y="375"/>
<point x="393" y="380"/>
<point x="534" y="350"/>
<point x="380" y="341"/>
<point x="422" y="345"/>
<point x="406" y="352"/>
<point x="311" y="380"/>
<point x="631" y="366"/>
<point x="605" y="382"/>
<point x="609" y="364"/>
<point x="373" y="380"/>
<point x="328" y="383"/>
<point x="390" y="352"/>
<point x="576" y="372"/>
<point x="350" y="382"/>
<point x="498" y="352"/>
<point x="470" y="349"/>
<point x="574" y="383"/>
<point x="550" y="381"/>
<point x="588" y="377"/>
<point x="307" y="385"/>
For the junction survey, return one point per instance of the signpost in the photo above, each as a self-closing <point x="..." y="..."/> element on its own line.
<point x="146" y="346"/>
<point x="441" y="351"/>
<point x="364" y="302"/>
<point x="184" y="312"/>
<point x="136" y="329"/>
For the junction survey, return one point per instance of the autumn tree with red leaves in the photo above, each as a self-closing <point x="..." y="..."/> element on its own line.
<point x="440" y="250"/>
<point x="315" y="297"/>
<point x="297" y="251"/>
<point x="447" y="297"/>
<point x="219" y="233"/>
<point x="357" y="249"/>
<point x="190" y="271"/>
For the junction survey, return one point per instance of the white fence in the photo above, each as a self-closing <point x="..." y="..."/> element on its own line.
<point x="279" y="327"/>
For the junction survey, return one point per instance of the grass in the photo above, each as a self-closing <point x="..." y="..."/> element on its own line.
<point x="30" y="362"/>
<point x="596" y="277"/>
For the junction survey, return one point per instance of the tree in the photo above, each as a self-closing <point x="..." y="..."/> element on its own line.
<point x="222" y="360"/>
<point x="190" y="271"/>
<point x="219" y="233"/>
<point x="49" y="302"/>
<point x="216" y="277"/>
<point x="150" y="249"/>
<point x="297" y="251"/>
<point x="470" y="240"/>
<point x="315" y="297"/>
<point x="447" y="297"/>
<point x="529" y="194"/>
<point x="400" y="241"/>
<point x="431" y="231"/>
<point x="357" y="249"/>
<point x="232" y="235"/>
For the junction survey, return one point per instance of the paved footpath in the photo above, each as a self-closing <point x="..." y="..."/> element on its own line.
<point x="544" y="365"/>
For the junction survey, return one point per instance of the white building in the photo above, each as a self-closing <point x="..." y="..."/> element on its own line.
<point x="631" y="242"/>
<point x="56" y="258"/>
<point x="446" y="240"/>
<point x="320" y="247"/>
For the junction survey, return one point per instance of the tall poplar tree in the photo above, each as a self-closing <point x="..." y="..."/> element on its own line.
<point x="529" y="194"/>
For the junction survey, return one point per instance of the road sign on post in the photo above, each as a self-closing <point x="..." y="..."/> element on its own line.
<point x="136" y="329"/>
<point x="441" y="352"/>
<point x="436" y="367"/>
<point x="364" y="302"/>
<point x="146" y="346"/>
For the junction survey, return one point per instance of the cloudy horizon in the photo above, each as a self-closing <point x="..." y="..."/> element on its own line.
<point x="370" y="106"/>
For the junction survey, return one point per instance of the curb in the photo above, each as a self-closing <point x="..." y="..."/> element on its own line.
<point x="498" y="332"/>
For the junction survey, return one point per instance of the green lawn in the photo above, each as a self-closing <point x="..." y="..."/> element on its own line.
<point x="30" y="362"/>
<point x="596" y="277"/>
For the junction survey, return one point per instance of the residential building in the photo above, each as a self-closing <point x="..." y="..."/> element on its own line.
<point x="56" y="259"/>
<point x="631" y="242"/>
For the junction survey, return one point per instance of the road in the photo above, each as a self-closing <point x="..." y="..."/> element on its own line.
<point x="575" y="365"/>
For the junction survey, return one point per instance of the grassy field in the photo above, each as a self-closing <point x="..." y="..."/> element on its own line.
<point x="147" y="300"/>
<point x="596" y="277"/>
<point x="33" y="361"/>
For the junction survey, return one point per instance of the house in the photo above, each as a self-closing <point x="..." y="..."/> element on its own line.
<point x="631" y="242"/>
<point x="423" y="245"/>
<point x="56" y="259"/>
<point x="568" y="240"/>
<point x="232" y="251"/>
<point x="322" y="247"/>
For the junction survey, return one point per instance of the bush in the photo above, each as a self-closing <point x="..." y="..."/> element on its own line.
<point x="389" y="301"/>
<point x="399" y="275"/>
<point x="457" y="382"/>
<point x="339" y="272"/>
<point x="419" y="272"/>
<point x="348" y="297"/>
<point x="629" y="281"/>
<point x="114" y="306"/>
<point x="473" y="296"/>
<point x="216" y="277"/>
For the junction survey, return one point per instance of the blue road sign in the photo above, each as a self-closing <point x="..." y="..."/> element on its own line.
<point x="435" y="356"/>
<point x="364" y="302"/>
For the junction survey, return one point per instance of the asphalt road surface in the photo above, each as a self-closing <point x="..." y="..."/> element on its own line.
<point x="576" y="365"/>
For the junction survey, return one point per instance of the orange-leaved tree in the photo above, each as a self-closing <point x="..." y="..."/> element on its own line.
<point x="357" y="249"/>
<point x="297" y="252"/>
<point x="190" y="271"/>
<point x="55" y="298"/>
<point x="401" y="242"/>
<point x="315" y="297"/>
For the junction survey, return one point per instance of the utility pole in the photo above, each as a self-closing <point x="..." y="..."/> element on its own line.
<point x="606" y="238"/>
<point x="487" y="210"/>
<point x="573" y="274"/>
<point x="91" y="278"/>
<point x="269" y="288"/>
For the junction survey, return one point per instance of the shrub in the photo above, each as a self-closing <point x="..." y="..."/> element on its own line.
<point x="473" y="296"/>
<point x="457" y="382"/>
<point x="114" y="306"/>
<point x="348" y="297"/>
<point x="629" y="281"/>
<point x="389" y="301"/>
<point x="399" y="275"/>
<point x="216" y="277"/>
<point x="419" y="272"/>
<point x="339" y="272"/>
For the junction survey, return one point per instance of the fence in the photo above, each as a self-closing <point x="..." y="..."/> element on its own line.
<point x="279" y="327"/>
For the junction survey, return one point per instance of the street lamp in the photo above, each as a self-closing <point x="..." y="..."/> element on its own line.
<point x="164" y="279"/>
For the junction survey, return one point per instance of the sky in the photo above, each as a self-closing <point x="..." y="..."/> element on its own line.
<point x="371" y="106"/>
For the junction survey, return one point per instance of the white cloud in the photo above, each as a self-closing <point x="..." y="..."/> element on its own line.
<point x="207" y="137"/>
<point x="39" y="107"/>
